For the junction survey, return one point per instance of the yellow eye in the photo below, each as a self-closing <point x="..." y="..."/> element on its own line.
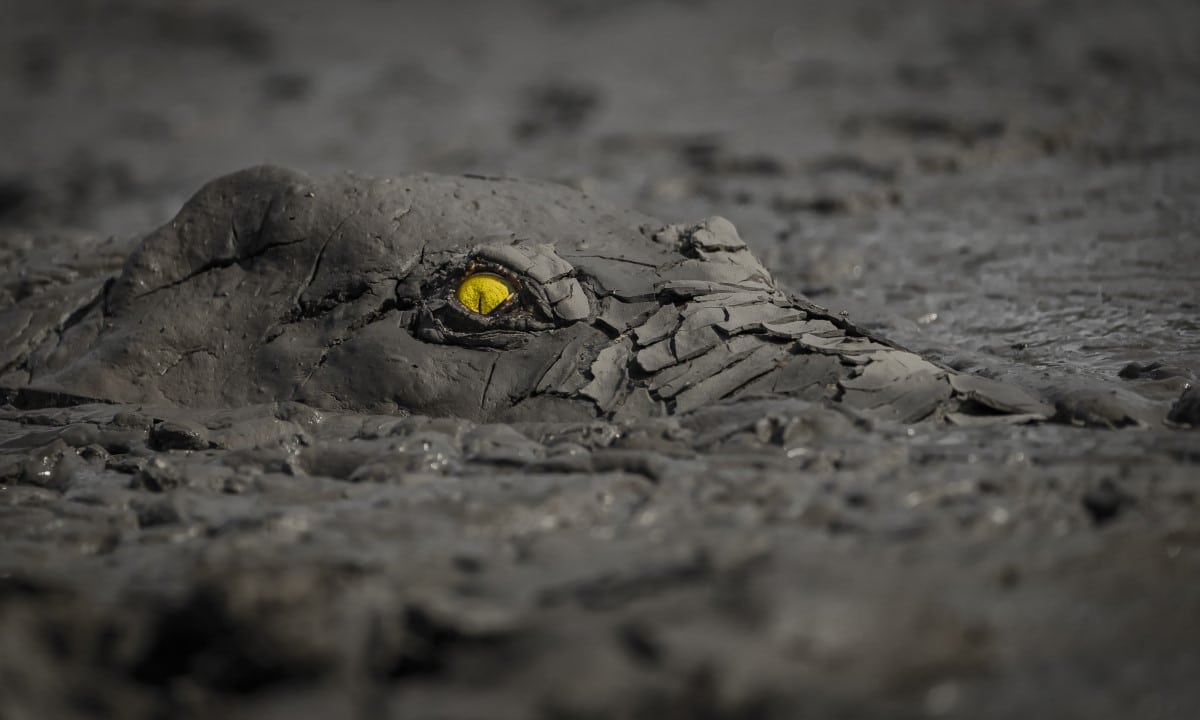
<point x="483" y="292"/>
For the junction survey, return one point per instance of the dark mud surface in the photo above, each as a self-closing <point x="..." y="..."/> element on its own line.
<point x="1008" y="189"/>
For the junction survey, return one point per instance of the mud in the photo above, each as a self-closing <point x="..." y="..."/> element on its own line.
<point x="1006" y="189"/>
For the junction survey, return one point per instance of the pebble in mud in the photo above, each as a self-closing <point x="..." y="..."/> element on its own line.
<point x="1186" y="409"/>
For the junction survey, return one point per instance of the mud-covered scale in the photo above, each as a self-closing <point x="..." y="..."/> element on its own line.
<point x="485" y="299"/>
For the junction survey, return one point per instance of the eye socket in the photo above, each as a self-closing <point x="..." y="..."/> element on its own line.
<point x="483" y="292"/>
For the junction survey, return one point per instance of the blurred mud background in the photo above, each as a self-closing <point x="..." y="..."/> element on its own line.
<point x="1003" y="185"/>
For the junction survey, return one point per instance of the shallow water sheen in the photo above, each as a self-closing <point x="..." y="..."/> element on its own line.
<point x="1085" y="292"/>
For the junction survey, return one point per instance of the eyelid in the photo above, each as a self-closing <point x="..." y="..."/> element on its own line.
<point x="546" y="282"/>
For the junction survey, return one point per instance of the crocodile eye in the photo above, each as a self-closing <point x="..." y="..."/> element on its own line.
<point x="483" y="292"/>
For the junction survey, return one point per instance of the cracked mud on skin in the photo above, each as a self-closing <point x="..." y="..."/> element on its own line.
<point x="344" y="293"/>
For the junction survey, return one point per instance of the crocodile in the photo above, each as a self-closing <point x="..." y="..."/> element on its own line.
<point x="482" y="298"/>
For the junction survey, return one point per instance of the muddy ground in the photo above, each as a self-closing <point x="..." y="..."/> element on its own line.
<point x="1006" y="187"/>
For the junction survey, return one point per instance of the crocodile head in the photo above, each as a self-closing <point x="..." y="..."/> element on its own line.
<point x="488" y="299"/>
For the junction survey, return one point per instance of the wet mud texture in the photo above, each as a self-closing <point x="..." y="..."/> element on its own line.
<point x="1007" y="189"/>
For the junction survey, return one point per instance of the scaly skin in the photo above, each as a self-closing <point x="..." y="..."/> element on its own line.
<point x="343" y="293"/>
